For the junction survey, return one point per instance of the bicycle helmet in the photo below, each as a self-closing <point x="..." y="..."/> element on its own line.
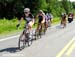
<point x="26" y="10"/>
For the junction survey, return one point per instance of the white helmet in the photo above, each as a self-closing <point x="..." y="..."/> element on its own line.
<point x="40" y="11"/>
<point x="26" y="10"/>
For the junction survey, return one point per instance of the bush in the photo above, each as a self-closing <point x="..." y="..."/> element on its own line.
<point x="9" y="25"/>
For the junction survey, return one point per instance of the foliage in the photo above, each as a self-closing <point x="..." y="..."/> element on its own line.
<point x="14" y="8"/>
<point x="9" y="26"/>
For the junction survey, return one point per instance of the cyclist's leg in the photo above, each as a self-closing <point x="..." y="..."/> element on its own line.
<point x="38" y="27"/>
<point x="45" y="25"/>
<point x="65" y="23"/>
<point x="61" y="22"/>
<point x="29" y="26"/>
<point x="50" y="22"/>
<point x="22" y="36"/>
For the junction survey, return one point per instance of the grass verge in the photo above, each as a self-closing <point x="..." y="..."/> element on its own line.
<point x="9" y="26"/>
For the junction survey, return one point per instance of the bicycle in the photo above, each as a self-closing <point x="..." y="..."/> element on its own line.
<point x="24" y="39"/>
<point x="38" y="34"/>
<point x="63" y="23"/>
<point x="40" y="31"/>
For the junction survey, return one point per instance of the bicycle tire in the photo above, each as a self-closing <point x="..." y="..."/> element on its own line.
<point x="40" y="32"/>
<point x="37" y="35"/>
<point x="29" y="42"/>
<point x="21" y="43"/>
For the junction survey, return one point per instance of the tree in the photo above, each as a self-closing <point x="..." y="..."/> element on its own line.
<point x="66" y="5"/>
<point x="14" y="8"/>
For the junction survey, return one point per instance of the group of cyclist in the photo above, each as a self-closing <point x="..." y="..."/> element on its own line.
<point x="43" y="19"/>
<point x="70" y="17"/>
<point x="64" y="18"/>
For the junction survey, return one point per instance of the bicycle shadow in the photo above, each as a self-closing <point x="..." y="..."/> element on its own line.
<point x="10" y="50"/>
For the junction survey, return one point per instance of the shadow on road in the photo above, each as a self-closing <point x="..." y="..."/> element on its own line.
<point x="11" y="50"/>
<point x="59" y="27"/>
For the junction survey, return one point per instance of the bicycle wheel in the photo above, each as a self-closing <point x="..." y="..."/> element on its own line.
<point x="28" y="39"/>
<point x="22" y="42"/>
<point x="50" y="24"/>
<point x="44" y="31"/>
<point x="29" y="42"/>
<point x="36" y="35"/>
<point x="40" y="32"/>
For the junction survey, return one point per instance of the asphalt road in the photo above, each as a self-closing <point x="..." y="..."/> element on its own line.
<point x="50" y="45"/>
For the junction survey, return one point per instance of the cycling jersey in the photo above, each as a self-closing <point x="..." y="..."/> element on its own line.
<point x="40" y="19"/>
<point x="28" y="18"/>
<point x="48" y="17"/>
<point x="64" y="17"/>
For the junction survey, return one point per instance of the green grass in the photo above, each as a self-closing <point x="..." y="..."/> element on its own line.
<point x="56" y="20"/>
<point x="9" y="26"/>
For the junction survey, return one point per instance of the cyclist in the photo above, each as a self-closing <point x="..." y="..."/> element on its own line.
<point x="49" y="18"/>
<point x="70" y="17"/>
<point x="41" y="19"/>
<point x="28" y="17"/>
<point x="63" y="20"/>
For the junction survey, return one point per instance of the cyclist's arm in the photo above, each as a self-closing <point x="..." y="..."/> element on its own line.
<point x="19" y="22"/>
<point x="32" y="21"/>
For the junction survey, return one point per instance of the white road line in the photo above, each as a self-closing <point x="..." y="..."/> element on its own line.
<point x="12" y="37"/>
<point x="9" y="38"/>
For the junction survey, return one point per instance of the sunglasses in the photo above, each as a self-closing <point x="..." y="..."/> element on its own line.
<point x="25" y="12"/>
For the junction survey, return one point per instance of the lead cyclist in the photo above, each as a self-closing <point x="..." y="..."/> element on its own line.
<point x="28" y="17"/>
